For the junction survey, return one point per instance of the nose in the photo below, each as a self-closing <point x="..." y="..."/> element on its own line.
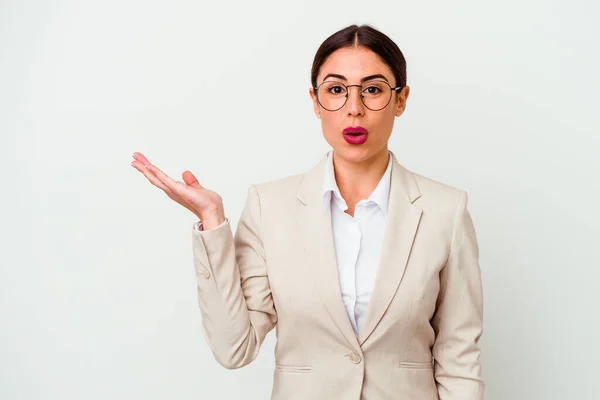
<point x="354" y="102"/>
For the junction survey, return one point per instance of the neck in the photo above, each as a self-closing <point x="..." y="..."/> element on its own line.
<point x="357" y="180"/>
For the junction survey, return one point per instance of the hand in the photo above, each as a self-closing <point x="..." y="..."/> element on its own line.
<point x="205" y="204"/>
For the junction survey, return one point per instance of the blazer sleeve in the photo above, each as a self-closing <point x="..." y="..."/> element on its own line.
<point x="458" y="319"/>
<point x="234" y="294"/>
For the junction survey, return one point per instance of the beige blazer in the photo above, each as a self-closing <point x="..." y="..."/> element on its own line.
<point x="420" y="337"/>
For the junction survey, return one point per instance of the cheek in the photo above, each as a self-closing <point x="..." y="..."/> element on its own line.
<point x="385" y="120"/>
<point x="330" y="124"/>
<point x="381" y="124"/>
<point x="388" y="122"/>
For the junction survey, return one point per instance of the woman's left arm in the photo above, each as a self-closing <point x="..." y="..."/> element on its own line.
<point x="458" y="319"/>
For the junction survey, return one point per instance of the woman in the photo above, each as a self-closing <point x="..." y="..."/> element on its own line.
<point x="368" y="271"/>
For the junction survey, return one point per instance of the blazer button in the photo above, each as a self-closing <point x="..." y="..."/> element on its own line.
<point x="354" y="357"/>
<point x="206" y="274"/>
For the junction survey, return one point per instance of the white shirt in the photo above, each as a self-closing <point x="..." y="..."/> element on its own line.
<point x="358" y="240"/>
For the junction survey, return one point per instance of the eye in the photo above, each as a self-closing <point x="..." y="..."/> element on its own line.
<point x="335" y="89"/>
<point x="372" y="90"/>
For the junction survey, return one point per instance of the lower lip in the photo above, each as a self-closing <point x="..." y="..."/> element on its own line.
<point x="356" y="139"/>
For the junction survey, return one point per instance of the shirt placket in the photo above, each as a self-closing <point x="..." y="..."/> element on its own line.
<point x="356" y="237"/>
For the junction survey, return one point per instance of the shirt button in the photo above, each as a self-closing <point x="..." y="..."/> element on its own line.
<point x="354" y="357"/>
<point x="206" y="274"/>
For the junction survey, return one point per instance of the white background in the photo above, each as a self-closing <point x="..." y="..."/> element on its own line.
<point x="97" y="287"/>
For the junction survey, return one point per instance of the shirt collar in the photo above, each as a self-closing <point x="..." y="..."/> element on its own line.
<point x="380" y="195"/>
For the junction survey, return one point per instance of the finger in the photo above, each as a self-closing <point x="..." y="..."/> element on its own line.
<point x="191" y="180"/>
<point x="165" y="179"/>
<point x="150" y="176"/>
<point x="156" y="182"/>
<point x="160" y="179"/>
<point x="140" y="157"/>
<point x="177" y="188"/>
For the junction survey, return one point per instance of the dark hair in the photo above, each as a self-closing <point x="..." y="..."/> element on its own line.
<point x="362" y="36"/>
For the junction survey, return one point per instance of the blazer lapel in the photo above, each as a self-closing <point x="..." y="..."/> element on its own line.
<point x="317" y="237"/>
<point x="401" y="227"/>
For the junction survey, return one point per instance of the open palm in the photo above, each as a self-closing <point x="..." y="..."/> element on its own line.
<point x="189" y="193"/>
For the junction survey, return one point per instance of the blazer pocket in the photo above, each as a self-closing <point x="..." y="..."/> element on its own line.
<point x="298" y="369"/>
<point x="417" y="364"/>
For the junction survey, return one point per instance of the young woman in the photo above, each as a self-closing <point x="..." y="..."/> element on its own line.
<point x="369" y="272"/>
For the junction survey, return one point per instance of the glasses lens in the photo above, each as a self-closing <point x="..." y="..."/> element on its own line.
<point x="376" y="94"/>
<point x="332" y="95"/>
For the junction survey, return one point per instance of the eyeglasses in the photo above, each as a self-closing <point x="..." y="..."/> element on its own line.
<point x="375" y="95"/>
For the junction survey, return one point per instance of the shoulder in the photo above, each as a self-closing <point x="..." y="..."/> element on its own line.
<point x="432" y="187"/>
<point x="279" y="188"/>
<point x="287" y="187"/>
<point x="437" y="196"/>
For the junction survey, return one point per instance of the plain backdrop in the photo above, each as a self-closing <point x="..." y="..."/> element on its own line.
<point x="97" y="286"/>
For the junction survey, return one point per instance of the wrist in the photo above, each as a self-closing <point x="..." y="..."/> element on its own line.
<point x="211" y="219"/>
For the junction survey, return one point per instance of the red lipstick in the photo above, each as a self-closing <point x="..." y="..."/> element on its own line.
<point x="355" y="134"/>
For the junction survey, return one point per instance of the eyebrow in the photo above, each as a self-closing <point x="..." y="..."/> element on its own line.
<point x="366" y="78"/>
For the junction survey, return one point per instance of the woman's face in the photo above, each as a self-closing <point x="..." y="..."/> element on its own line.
<point x="351" y="65"/>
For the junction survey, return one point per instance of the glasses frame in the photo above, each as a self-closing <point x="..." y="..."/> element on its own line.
<point x="316" y="89"/>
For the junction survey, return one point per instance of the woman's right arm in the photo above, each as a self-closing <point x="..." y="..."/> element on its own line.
<point x="234" y="294"/>
<point x="233" y="287"/>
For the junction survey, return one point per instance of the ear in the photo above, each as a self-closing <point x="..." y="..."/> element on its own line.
<point x="402" y="97"/>
<point x="316" y="107"/>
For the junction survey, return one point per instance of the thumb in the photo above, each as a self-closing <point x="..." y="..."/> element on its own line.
<point x="191" y="180"/>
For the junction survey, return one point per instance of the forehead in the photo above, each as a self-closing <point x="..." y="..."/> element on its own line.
<point x="355" y="63"/>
